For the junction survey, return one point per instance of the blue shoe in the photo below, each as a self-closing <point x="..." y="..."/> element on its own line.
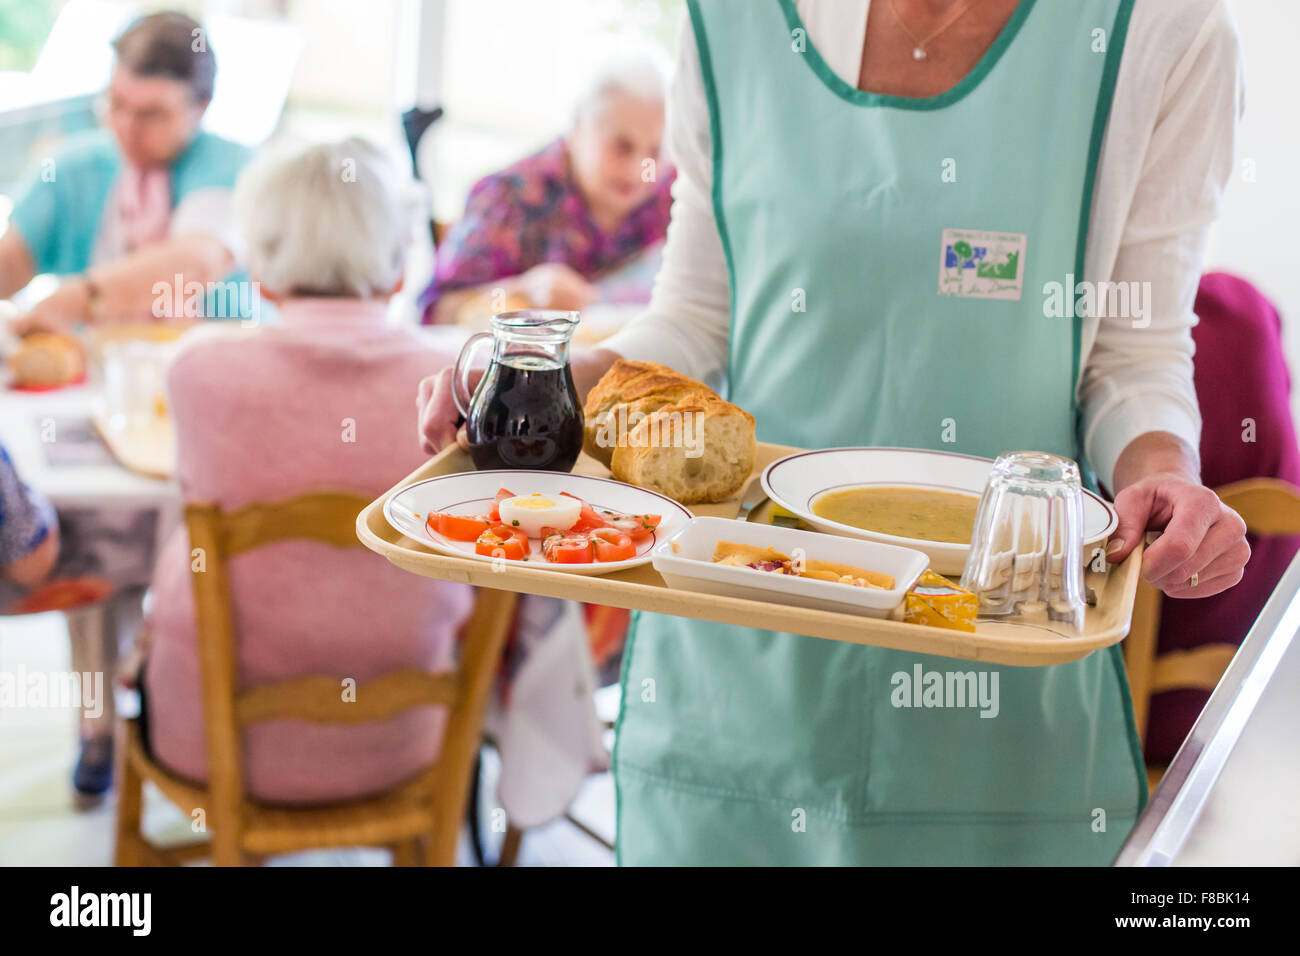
<point x="94" y="773"/>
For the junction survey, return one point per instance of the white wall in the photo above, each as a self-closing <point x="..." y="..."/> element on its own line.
<point x="1258" y="236"/>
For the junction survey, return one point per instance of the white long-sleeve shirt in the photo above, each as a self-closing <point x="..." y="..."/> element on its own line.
<point x="1165" y="159"/>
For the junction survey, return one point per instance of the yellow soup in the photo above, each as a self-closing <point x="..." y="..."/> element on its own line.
<point x="943" y="516"/>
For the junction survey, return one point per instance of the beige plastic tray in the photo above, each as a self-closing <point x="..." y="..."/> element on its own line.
<point x="643" y="589"/>
<point x="148" y="451"/>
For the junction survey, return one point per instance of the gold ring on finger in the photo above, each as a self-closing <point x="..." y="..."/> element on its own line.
<point x="1194" y="580"/>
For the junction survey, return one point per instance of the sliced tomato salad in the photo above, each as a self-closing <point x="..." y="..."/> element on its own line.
<point x="588" y="518"/>
<point x="638" y="527"/>
<point x="458" y="527"/>
<point x="502" y="495"/>
<point x="567" y="547"/>
<point x="467" y="527"/>
<point x="500" y="541"/>
<point x="599" y="535"/>
<point x="612" y="544"/>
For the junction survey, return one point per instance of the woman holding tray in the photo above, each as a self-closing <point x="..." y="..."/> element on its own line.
<point x="875" y="204"/>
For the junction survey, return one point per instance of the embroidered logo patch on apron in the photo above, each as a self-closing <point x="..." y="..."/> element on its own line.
<point x="979" y="264"/>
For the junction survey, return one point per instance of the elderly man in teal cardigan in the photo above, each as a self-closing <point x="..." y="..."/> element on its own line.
<point x="148" y="198"/>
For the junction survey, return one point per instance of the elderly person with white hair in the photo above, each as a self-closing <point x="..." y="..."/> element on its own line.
<point x="321" y="402"/>
<point x="594" y="200"/>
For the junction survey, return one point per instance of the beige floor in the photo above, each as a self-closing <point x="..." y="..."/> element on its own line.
<point x="40" y="826"/>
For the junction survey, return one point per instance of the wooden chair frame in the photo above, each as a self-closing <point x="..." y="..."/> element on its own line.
<point x="1270" y="507"/>
<point x="420" y="819"/>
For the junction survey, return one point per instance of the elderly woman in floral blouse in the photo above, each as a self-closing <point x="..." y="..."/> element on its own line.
<point x="543" y="229"/>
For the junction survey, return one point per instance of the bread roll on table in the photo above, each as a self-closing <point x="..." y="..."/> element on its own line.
<point x="46" y="360"/>
<point x="661" y="430"/>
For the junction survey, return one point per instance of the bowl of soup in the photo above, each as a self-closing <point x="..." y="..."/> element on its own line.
<point x="911" y="497"/>
<point x="928" y="514"/>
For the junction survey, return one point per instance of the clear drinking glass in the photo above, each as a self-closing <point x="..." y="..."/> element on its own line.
<point x="1025" y="560"/>
<point x="135" y="382"/>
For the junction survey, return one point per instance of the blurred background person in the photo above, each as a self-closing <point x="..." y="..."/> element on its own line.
<point x="55" y="561"/>
<point x="323" y="404"/>
<point x="144" y="199"/>
<point x="29" y="535"/>
<point x="586" y="206"/>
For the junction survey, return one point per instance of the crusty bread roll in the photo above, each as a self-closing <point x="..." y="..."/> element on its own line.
<point x="646" y="385"/>
<point x="46" y="359"/>
<point x="631" y="390"/>
<point x="669" y="463"/>
<point x="659" y="429"/>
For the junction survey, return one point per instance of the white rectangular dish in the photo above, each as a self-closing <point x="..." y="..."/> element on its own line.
<point x="686" y="562"/>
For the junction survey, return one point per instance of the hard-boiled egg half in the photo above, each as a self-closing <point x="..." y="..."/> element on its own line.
<point x="531" y="513"/>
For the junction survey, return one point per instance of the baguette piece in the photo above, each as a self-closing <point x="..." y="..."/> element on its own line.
<point x="627" y="380"/>
<point x="626" y="393"/>
<point x="691" y="452"/>
<point x="602" y="435"/>
<point x="654" y="427"/>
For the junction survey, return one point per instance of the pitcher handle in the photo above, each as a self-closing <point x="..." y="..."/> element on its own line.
<point x="460" y="391"/>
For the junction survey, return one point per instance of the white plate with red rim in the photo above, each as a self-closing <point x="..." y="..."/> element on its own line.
<point x="474" y="492"/>
<point x="796" y="481"/>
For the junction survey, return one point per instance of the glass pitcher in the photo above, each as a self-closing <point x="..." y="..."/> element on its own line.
<point x="525" y="412"/>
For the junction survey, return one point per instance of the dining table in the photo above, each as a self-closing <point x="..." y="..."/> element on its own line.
<point x="63" y="446"/>
<point x="56" y="449"/>
<point x="122" y="517"/>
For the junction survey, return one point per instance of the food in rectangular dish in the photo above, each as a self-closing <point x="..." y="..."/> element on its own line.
<point x="773" y="561"/>
<point x="687" y="562"/>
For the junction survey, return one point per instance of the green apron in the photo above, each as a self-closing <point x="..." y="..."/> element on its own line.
<point x="888" y="258"/>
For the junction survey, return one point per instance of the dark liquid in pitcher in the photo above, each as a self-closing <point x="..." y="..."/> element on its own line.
<point x="525" y="414"/>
